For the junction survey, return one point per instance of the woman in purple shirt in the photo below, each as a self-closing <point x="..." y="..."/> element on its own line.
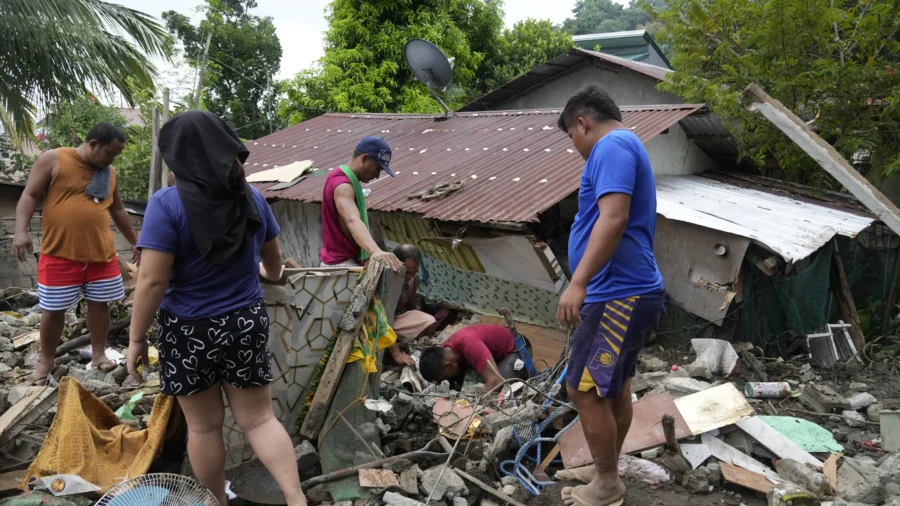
<point x="204" y="245"/>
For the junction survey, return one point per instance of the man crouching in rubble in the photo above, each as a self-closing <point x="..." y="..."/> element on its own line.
<point x="615" y="298"/>
<point x="484" y="348"/>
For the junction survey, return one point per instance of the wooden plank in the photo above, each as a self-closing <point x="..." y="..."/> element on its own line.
<point x="26" y="411"/>
<point x="377" y="478"/>
<point x="825" y="155"/>
<point x="777" y="442"/>
<point x="541" y="471"/>
<point x="727" y="453"/>
<point x="23" y="341"/>
<point x="844" y="298"/>
<point x="646" y="431"/>
<point x="713" y="408"/>
<point x="350" y="324"/>
<point x="745" y="478"/>
<point x="830" y="469"/>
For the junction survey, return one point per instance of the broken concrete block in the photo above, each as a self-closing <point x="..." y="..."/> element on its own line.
<point x="714" y="356"/>
<point x="654" y="379"/>
<point x="529" y="412"/>
<point x="449" y="485"/>
<point x="853" y="418"/>
<point x="383" y="428"/>
<point x="318" y="494"/>
<point x="858" y="481"/>
<point x="823" y="399"/>
<point x="395" y="499"/>
<point x="509" y="480"/>
<point x="409" y="481"/>
<point x="714" y="475"/>
<point x="740" y="440"/>
<point x="117" y="375"/>
<point x="696" y="481"/>
<point x="684" y="386"/>
<point x="862" y="400"/>
<point x="4" y="368"/>
<point x="509" y="489"/>
<point x="806" y="373"/>
<point x="652" y="364"/>
<point x="460" y="501"/>
<point x="306" y="456"/>
<point x="859" y="387"/>
<point x="873" y="412"/>
<point x="98" y="387"/>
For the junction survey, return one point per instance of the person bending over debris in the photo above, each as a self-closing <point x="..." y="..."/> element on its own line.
<point x="615" y="298"/>
<point x="484" y="348"/>
<point x="346" y="240"/>
<point x="205" y="243"/>
<point x="78" y="256"/>
<point x="410" y="323"/>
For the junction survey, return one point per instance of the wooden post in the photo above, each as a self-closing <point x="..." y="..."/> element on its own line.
<point x="164" y="178"/>
<point x="155" y="157"/>
<point x="845" y="303"/>
<point x="350" y="324"/>
<point x="202" y="72"/>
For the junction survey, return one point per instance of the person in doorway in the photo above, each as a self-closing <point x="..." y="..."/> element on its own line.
<point x="483" y="348"/>
<point x="410" y="323"/>
<point x="346" y="240"/>
<point x="205" y="242"/>
<point x="615" y="298"/>
<point x="78" y="255"/>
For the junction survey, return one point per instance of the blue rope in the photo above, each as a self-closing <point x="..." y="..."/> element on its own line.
<point x="525" y="478"/>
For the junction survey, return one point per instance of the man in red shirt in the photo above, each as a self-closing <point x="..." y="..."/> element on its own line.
<point x="478" y="347"/>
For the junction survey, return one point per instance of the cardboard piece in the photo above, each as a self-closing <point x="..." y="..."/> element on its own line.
<point x="22" y="342"/>
<point x="713" y="408"/>
<point x="377" y="478"/>
<point x="646" y="431"/>
<point x="745" y="478"/>
<point x="776" y="442"/>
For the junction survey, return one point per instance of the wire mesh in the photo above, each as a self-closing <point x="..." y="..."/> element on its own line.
<point x="159" y="489"/>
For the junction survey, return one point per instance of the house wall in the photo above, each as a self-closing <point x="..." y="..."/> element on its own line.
<point x="625" y="87"/>
<point x="301" y="230"/>
<point x="9" y="196"/>
<point x="673" y="154"/>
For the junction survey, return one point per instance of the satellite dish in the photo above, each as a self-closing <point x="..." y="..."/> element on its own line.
<point x="430" y="66"/>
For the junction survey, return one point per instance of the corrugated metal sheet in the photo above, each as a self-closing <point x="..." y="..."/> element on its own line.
<point x="515" y="164"/>
<point x="558" y="66"/>
<point x="789" y="227"/>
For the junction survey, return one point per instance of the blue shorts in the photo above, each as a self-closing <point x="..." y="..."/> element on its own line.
<point x="605" y="347"/>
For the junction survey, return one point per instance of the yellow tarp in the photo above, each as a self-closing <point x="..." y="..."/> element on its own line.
<point x="87" y="439"/>
<point x="375" y="321"/>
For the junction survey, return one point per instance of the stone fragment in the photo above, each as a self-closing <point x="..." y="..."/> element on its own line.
<point x="306" y="455"/>
<point x="696" y="481"/>
<point x="449" y="485"/>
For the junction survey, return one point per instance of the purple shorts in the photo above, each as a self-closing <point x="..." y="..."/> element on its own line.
<point x="605" y="347"/>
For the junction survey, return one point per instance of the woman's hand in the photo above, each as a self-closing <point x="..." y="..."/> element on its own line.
<point x="137" y="349"/>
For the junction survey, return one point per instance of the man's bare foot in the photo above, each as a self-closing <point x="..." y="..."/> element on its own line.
<point x="594" y="494"/>
<point x="583" y="474"/>
<point x="104" y="364"/>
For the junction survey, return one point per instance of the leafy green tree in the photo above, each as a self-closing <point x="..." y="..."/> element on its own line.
<point x="16" y="167"/>
<point x="604" y="16"/>
<point x="529" y="43"/>
<point x="68" y="123"/>
<point x="55" y="50"/>
<point x="244" y="56"/>
<point x="363" y="69"/>
<point x="833" y="63"/>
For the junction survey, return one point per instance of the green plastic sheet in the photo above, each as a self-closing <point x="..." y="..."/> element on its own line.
<point x="809" y="436"/>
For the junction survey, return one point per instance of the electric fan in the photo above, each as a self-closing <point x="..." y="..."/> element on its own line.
<point x="158" y="490"/>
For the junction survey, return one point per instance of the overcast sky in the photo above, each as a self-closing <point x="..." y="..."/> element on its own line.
<point x="301" y="23"/>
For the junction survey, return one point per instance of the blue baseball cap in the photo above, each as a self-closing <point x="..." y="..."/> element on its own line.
<point x="377" y="148"/>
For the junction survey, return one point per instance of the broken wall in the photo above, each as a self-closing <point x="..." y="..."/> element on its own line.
<point x="301" y="230"/>
<point x="303" y="315"/>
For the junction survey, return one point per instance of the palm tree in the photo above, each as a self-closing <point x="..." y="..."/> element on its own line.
<point x="56" y="50"/>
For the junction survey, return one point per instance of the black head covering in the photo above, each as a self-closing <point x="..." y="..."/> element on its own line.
<point x="200" y="149"/>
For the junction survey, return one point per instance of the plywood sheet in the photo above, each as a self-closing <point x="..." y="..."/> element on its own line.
<point x="547" y="344"/>
<point x="646" y="431"/>
<point x="713" y="408"/>
<point x="745" y="478"/>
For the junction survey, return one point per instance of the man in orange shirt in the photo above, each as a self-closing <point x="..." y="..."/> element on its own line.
<point x="78" y="186"/>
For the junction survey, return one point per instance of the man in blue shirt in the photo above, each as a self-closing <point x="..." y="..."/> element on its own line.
<point x="615" y="298"/>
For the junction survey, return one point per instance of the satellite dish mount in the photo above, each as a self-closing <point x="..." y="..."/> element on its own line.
<point x="430" y="66"/>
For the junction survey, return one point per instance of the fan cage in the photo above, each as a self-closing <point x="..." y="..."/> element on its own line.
<point x="161" y="489"/>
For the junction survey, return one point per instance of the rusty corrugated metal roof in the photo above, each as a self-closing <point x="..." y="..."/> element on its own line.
<point x="515" y="164"/>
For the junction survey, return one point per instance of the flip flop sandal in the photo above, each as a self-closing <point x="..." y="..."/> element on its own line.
<point x="579" y="501"/>
<point x="37" y="381"/>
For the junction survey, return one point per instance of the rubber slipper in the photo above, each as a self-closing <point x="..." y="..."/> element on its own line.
<point x="580" y="501"/>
